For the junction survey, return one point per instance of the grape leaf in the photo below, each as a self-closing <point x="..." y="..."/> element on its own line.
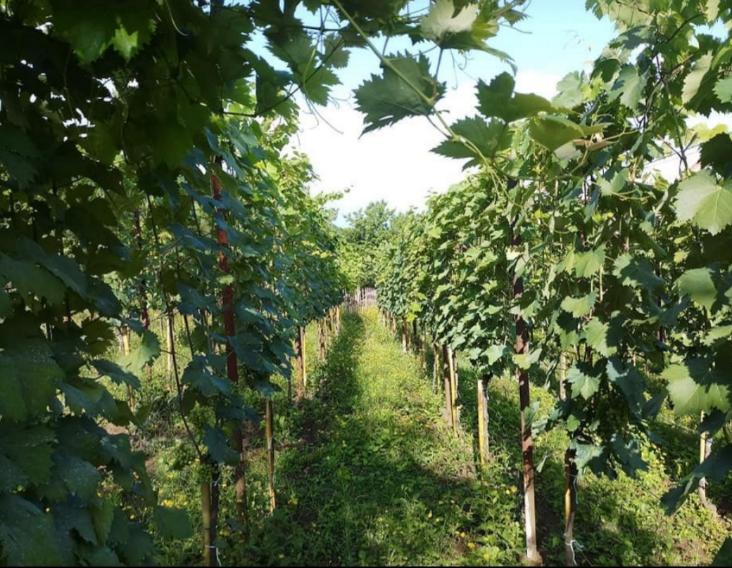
<point x="704" y="202"/>
<point x="695" y="387"/>
<point x="497" y="99"/>
<point x="406" y="88"/>
<point x="583" y="385"/>
<point x="172" y="523"/>
<point x="579" y="307"/>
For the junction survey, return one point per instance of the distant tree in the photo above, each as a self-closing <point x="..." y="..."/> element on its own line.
<point x="367" y="230"/>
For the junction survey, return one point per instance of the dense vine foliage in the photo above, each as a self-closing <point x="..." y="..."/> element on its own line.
<point x="144" y="177"/>
<point x="622" y="273"/>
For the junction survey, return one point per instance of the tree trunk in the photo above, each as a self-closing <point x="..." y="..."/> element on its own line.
<point x="570" y="476"/>
<point x="483" y="434"/>
<point x="705" y="448"/>
<point x="521" y="346"/>
<point x="570" y="505"/>
<point x="232" y="370"/>
<point x="269" y="435"/>
<point x="210" y="516"/>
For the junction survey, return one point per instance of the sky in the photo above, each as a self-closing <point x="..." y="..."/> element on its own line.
<point x="395" y="163"/>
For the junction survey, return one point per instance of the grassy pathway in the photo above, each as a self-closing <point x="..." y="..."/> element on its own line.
<point x="368" y="474"/>
<point x="376" y="478"/>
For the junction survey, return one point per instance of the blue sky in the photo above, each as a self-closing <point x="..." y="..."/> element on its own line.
<point x="558" y="36"/>
<point x="395" y="163"/>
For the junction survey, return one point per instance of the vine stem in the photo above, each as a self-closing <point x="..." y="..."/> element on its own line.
<point x="178" y="386"/>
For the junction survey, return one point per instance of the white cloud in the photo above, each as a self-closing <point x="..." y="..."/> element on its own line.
<point x="394" y="163"/>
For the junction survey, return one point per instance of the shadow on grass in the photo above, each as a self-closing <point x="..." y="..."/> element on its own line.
<point x="353" y="492"/>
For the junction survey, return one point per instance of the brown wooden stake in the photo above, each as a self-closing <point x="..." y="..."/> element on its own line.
<point x="483" y="435"/>
<point x="452" y="371"/>
<point x="301" y="374"/>
<point x="436" y="367"/>
<point x="447" y="377"/>
<point x="269" y="434"/>
<point x="169" y="339"/>
<point x="705" y="449"/>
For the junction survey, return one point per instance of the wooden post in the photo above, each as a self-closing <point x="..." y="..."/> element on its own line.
<point x="169" y="339"/>
<point x="483" y="435"/>
<point x="269" y="435"/>
<point x="436" y="367"/>
<point x="453" y="388"/>
<point x="447" y="377"/>
<point x="301" y="374"/>
<point x="705" y="449"/>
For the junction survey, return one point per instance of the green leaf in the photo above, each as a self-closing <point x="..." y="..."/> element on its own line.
<point x="496" y="352"/>
<point x="579" y="307"/>
<point x="636" y="272"/>
<point x="81" y="477"/>
<point x="145" y="353"/>
<point x="36" y="371"/>
<point x="570" y="91"/>
<point x="116" y="373"/>
<point x="526" y="360"/>
<point x="587" y="264"/>
<point x="695" y="387"/>
<point x="698" y="285"/>
<point x="629" y="381"/>
<point x="555" y="131"/>
<point x="172" y="523"/>
<point x="583" y="385"/>
<point x="441" y="19"/>
<point x="629" y="87"/>
<point x="218" y="446"/>
<point x="629" y="455"/>
<point x="12" y="402"/>
<point x="615" y="185"/>
<point x="200" y="376"/>
<point x="406" y="88"/>
<point x="486" y="137"/>
<point x="723" y="89"/>
<point x="704" y="202"/>
<point x="598" y="334"/>
<point x="31" y="281"/>
<point x="715" y="153"/>
<point x="103" y="517"/>
<point x="694" y="79"/>
<point x="30" y="449"/>
<point x="498" y="100"/>
<point x="6" y="307"/>
<point x="584" y="454"/>
<point x="27" y="534"/>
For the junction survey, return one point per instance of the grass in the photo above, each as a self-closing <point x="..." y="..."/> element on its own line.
<point x="367" y="473"/>
<point x="375" y="476"/>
